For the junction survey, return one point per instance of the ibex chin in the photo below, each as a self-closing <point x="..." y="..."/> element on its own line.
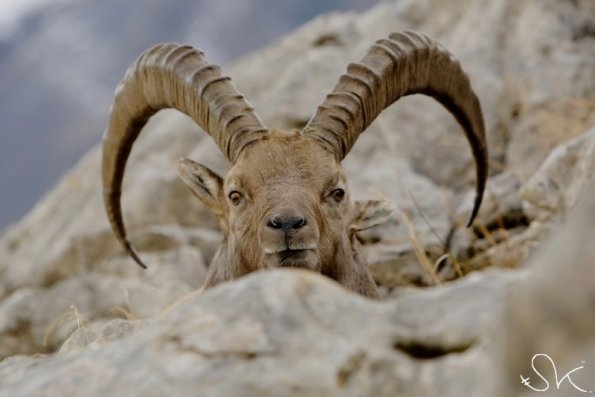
<point x="285" y="201"/>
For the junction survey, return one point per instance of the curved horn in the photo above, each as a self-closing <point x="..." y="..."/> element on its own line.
<point x="406" y="63"/>
<point x="171" y="76"/>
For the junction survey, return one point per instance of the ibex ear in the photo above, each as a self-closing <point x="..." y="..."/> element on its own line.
<point x="369" y="213"/>
<point x="204" y="183"/>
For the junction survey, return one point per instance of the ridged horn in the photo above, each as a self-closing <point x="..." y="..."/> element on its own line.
<point x="406" y="63"/>
<point x="171" y="76"/>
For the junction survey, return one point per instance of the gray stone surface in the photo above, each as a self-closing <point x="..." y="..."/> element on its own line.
<point x="557" y="184"/>
<point x="552" y="311"/>
<point x="286" y="333"/>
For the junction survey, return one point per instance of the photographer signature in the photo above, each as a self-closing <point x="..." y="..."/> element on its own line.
<point x="525" y="381"/>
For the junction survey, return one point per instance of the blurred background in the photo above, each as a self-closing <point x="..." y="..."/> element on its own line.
<point x="60" y="61"/>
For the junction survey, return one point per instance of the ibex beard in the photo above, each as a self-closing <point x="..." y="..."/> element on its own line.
<point x="285" y="200"/>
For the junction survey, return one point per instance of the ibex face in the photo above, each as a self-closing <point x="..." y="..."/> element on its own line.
<point x="280" y="200"/>
<point x="285" y="201"/>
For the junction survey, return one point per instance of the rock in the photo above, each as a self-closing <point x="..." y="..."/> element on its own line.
<point x="98" y="333"/>
<point x="400" y="265"/>
<point x="167" y="237"/>
<point x="555" y="187"/>
<point x="51" y="244"/>
<point x="509" y="204"/>
<point x="545" y="126"/>
<point x="40" y="320"/>
<point x="552" y="310"/>
<point x="282" y="322"/>
<point x="502" y="205"/>
<point x="509" y="249"/>
<point x="551" y="95"/>
<point x="501" y="236"/>
<point x="421" y="223"/>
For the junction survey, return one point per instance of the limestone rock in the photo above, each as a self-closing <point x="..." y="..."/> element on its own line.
<point x="502" y="234"/>
<point x="552" y="311"/>
<point x="421" y="222"/>
<point x="40" y="320"/>
<point x="556" y="186"/>
<point x="100" y="332"/>
<point x="67" y="233"/>
<point x="284" y="323"/>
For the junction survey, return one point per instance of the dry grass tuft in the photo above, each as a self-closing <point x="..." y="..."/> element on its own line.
<point x="419" y="250"/>
<point x="71" y="315"/>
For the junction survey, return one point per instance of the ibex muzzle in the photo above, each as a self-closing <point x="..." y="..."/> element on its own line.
<point x="287" y="221"/>
<point x="289" y="237"/>
<point x="285" y="200"/>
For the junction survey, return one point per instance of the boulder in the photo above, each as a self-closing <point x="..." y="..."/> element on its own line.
<point x="552" y="311"/>
<point x="284" y="332"/>
<point x="559" y="181"/>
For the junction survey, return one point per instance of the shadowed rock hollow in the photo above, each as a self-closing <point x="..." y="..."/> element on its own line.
<point x="464" y="309"/>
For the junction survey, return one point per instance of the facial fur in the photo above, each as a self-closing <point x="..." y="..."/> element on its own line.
<point x="287" y="200"/>
<point x="285" y="203"/>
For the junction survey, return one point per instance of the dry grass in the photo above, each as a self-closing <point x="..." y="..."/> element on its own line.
<point x="447" y="255"/>
<point x="124" y="312"/>
<point x="82" y="323"/>
<point x="183" y="300"/>
<point x="71" y="315"/>
<point x="419" y="250"/>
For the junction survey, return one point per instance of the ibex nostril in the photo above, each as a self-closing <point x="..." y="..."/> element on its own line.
<point x="286" y="223"/>
<point x="298" y="223"/>
<point x="275" y="223"/>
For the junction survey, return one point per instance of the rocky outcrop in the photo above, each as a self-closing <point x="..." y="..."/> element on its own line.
<point x="292" y="332"/>
<point x="66" y="285"/>
<point x="557" y="184"/>
<point x="285" y="333"/>
<point x="552" y="312"/>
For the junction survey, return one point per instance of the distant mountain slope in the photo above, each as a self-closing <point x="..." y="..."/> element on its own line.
<point x="60" y="61"/>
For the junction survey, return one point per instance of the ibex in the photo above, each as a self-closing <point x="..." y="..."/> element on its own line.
<point x="285" y="201"/>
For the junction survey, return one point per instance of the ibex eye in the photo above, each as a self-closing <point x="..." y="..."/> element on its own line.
<point x="338" y="195"/>
<point x="235" y="197"/>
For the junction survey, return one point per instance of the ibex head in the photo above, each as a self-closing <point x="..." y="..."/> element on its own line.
<point x="285" y="200"/>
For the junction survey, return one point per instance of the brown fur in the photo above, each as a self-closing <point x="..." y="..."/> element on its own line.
<point x="286" y="174"/>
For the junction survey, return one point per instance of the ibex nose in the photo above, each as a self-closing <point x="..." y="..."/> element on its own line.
<point x="286" y="220"/>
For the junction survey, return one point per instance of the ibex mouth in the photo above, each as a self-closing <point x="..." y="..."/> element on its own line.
<point x="290" y="248"/>
<point x="294" y="258"/>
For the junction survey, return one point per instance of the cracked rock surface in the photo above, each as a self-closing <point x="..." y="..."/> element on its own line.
<point x="308" y="335"/>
